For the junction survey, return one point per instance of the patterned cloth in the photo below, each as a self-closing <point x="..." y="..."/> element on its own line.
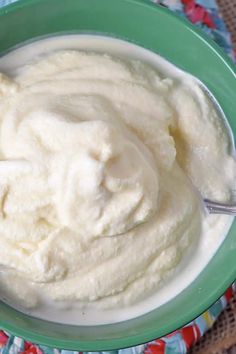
<point x="203" y="13"/>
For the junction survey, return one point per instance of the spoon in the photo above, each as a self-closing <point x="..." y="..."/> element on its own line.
<point x="219" y="208"/>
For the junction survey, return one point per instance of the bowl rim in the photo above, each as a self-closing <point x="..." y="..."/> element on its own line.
<point x="144" y="336"/>
<point x="18" y="4"/>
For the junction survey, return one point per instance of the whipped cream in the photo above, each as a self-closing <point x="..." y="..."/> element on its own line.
<point x="101" y="159"/>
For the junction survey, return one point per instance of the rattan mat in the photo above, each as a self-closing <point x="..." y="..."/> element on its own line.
<point x="222" y="336"/>
<point x="228" y="10"/>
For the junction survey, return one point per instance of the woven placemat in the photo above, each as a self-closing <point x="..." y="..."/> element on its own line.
<point x="228" y="10"/>
<point x="222" y="337"/>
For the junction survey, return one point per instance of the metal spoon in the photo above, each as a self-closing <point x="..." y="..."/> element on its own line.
<point x="219" y="208"/>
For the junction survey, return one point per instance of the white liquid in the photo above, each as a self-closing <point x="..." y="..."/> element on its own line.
<point x="203" y="251"/>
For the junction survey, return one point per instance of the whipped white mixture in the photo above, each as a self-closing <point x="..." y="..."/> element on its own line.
<point x="101" y="162"/>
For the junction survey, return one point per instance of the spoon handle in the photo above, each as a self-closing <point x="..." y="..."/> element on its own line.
<point x="219" y="208"/>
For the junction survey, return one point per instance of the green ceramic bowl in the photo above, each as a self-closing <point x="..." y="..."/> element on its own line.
<point x="155" y="28"/>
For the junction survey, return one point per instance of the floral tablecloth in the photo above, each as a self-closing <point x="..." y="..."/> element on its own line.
<point x="203" y="13"/>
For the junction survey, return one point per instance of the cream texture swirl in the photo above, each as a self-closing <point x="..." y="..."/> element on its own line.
<point x="99" y="159"/>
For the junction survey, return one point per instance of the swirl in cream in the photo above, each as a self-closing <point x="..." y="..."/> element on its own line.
<point x="96" y="201"/>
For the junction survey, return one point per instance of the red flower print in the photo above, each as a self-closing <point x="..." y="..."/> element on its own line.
<point x="229" y="294"/>
<point x="3" y="339"/>
<point x="190" y="335"/>
<point x="31" y="349"/>
<point x="197" y="13"/>
<point x="155" y="347"/>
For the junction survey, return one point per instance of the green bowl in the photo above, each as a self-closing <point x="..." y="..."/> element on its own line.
<point x="157" y="29"/>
